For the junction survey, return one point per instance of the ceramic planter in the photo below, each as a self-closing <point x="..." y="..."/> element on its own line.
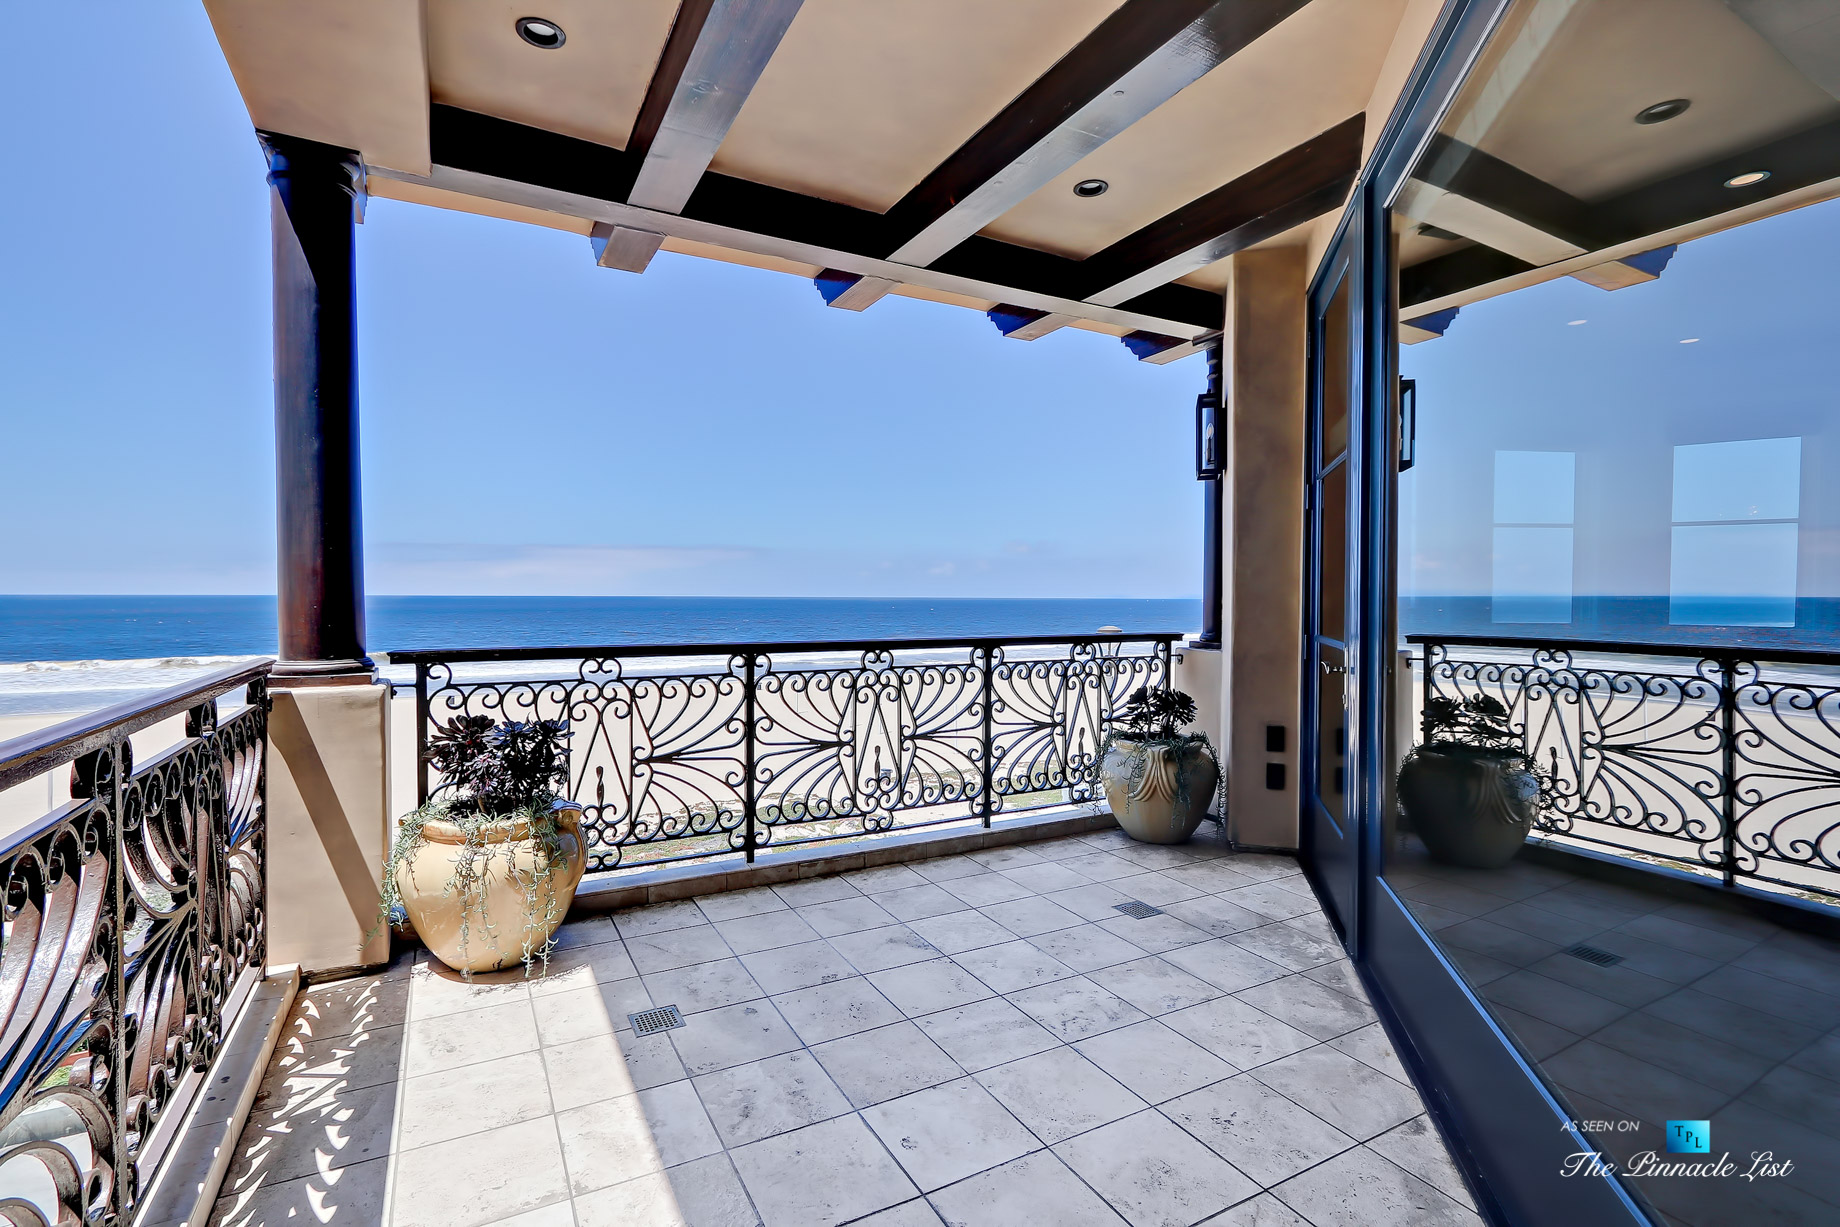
<point x="1159" y="792"/>
<point x="1471" y="810"/>
<point x="488" y="927"/>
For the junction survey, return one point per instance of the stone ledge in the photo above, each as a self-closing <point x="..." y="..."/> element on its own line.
<point x="185" y="1190"/>
<point x="689" y="881"/>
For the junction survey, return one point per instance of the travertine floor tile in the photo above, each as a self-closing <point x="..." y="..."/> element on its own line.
<point x="451" y="1104"/>
<point x="1153" y="1173"/>
<point x="1036" y="1188"/>
<point x="830" y="1011"/>
<point x="1256" y="1129"/>
<point x="873" y="1066"/>
<point x="1076" y="1008"/>
<point x="926" y="988"/>
<point x="1359" y="1188"/>
<point x="945" y="1133"/>
<point x="1059" y="1093"/>
<point x="1154" y="1061"/>
<point x="825" y="1173"/>
<point x="986" y="1033"/>
<point x="480" y="1178"/>
<point x="732" y="1035"/>
<point x="1012" y="965"/>
<point x="774" y="1095"/>
<point x="616" y="1140"/>
<point x="702" y="1193"/>
<point x="1358" y="1100"/>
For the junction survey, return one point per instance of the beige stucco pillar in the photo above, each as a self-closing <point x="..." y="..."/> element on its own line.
<point x="328" y="825"/>
<point x="1264" y="347"/>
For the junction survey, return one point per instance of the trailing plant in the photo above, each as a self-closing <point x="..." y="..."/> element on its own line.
<point x="1151" y="721"/>
<point x="498" y="776"/>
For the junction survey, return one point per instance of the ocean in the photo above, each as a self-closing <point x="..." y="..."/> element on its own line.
<point x="75" y="653"/>
<point x="69" y="654"/>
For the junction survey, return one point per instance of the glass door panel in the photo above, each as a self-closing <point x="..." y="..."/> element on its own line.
<point x="1331" y="842"/>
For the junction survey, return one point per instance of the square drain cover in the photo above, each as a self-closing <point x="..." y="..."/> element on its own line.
<point x="1591" y="954"/>
<point x="1137" y="910"/>
<point x="651" y="1022"/>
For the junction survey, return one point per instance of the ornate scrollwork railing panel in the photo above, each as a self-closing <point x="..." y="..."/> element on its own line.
<point x="695" y="751"/>
<point x="1050" y="714"/>
<point x="1786" y="775"/>
<point x="1719" y="761"/>
<point x="131" y="914"/>
<point x="853" y="746"/>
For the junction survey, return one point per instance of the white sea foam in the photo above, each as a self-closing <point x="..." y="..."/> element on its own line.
<point x="39" y="686"/>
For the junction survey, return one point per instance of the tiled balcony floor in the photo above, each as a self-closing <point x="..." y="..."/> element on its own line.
<point x="1714" y="1013"/>
<point x="976" y="1039"/>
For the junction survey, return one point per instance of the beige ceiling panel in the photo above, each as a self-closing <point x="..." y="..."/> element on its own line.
<point x="1311" y="71"/>
<point x="865" y="97"/>
<point x="347" y="72"/>
<point x="591" y="87"/>
<point x="1572" y="122"/>
<point x="441" y="198"/>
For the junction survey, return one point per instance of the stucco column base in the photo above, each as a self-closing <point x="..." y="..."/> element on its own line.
<point x="1262" y="568"/>
<point x="328" y="826"/>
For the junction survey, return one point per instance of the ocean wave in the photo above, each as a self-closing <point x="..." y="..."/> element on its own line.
<point x="89" y="668"/>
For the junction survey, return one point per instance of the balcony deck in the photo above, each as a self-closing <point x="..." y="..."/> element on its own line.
<point x="972" y="1039"/>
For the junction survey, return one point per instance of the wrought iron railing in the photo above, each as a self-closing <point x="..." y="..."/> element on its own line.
<point x="1721" y="760"/>
<point x="678" y="752"/>
<point x="134" y="931"/>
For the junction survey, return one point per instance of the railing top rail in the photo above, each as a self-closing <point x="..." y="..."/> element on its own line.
<point x="47" y="749"/>
<point x="432" y="656"/>
<point x="1623" y="647"/>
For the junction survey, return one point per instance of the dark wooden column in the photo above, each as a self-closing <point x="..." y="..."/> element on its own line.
<point x="1213" y="509"/>
<point x="321" y="554"/>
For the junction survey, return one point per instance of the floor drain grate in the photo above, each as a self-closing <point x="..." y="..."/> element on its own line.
<point x="1137" y="909"/>
<point x="651" y="1022"/>
<point x="1591" y="954"/>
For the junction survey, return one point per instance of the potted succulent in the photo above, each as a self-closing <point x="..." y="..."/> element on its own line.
<point x="487" y="870"/>
<point x="1157" y="778"/>
<point x="1470" y="790"/>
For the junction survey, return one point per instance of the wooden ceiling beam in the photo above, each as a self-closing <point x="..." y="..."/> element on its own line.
<point x="1799" y="160"/>
<point x="1137" y="59"/>
<point x="716" y="51"/>
<point x="851" y="291"/>
<point x="1025" y="323"/>
<point x="1295" y="187"/>
<point x="502" y="160"/>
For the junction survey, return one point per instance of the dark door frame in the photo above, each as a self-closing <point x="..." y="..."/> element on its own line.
<point x="1505" y="1127"/>
<point x="1332" y="857"/>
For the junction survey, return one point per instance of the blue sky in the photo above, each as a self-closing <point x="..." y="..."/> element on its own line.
<point x="531" y="423"/>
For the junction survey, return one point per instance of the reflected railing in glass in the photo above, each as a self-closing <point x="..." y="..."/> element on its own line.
<point x="1719" y="761"/>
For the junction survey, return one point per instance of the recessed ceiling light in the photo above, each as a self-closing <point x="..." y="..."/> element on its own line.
<point x="1661" y="112"/>
<point x="1748" y="178"/>
<point x="541" y="32"/>
<point x="1088" y="188"/>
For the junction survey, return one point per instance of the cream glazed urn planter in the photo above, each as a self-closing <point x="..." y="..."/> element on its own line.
<point x="1159" y="790"/>
<point x="495" y="903"/>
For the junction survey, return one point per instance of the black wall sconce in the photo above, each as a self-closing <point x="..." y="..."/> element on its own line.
<point x="1210" y="443"/>
<point x="1408" y="423"/>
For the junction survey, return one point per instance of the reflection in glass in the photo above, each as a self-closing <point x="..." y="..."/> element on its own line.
<point x="1625" y="400"/>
